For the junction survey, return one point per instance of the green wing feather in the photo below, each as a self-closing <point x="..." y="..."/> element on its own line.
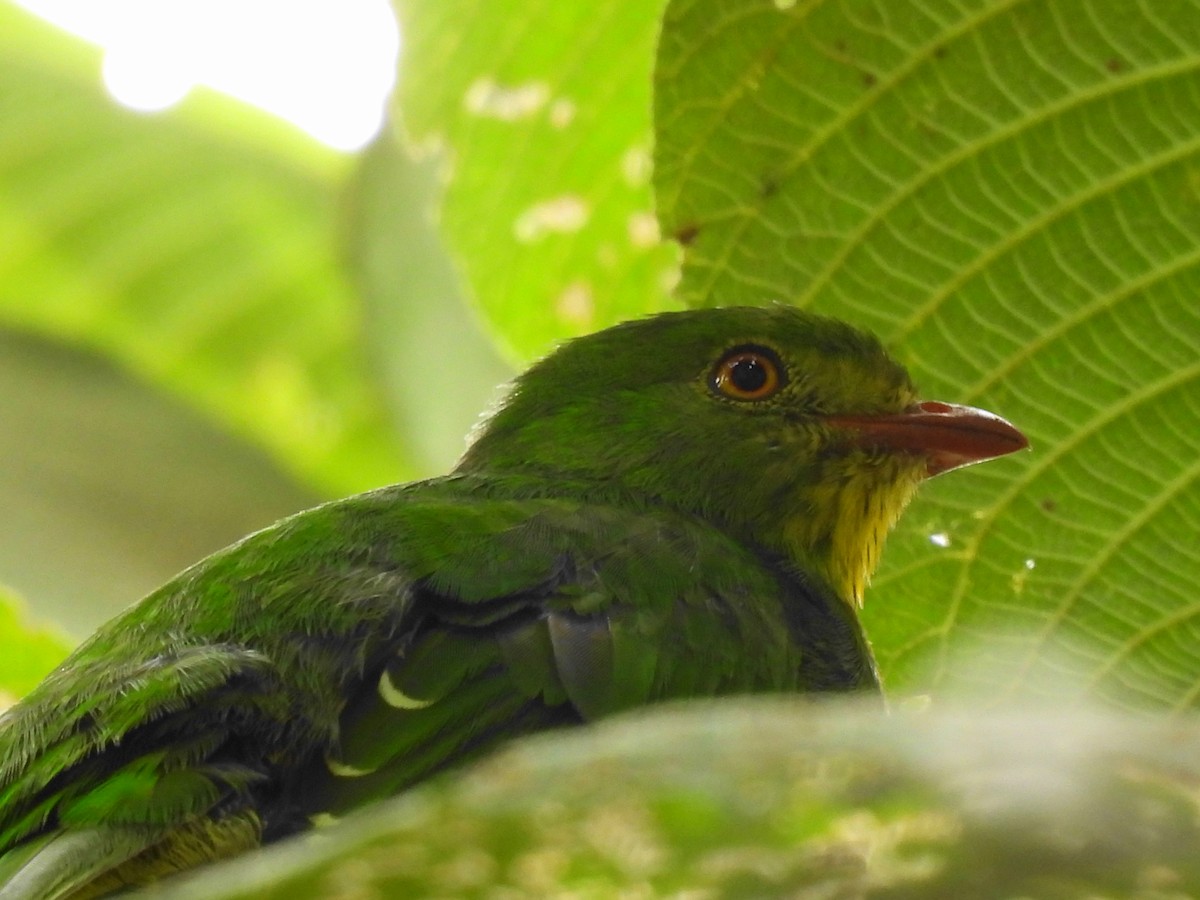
<point x="355" y="649"/>
<point x="568" y="612"/>
<point x="98" y="765"/>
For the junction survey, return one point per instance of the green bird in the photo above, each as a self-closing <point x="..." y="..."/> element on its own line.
<point x="688" y="505"/>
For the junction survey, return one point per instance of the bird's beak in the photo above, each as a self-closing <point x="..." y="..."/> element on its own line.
<point x="947" y="435"/>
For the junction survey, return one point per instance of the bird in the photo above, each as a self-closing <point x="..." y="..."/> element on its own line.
<point x="685" y="505"/>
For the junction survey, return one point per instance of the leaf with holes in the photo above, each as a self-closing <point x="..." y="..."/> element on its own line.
<point x="544" y="120"/>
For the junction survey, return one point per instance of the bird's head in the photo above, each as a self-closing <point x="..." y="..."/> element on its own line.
<point x="796" y="433"/>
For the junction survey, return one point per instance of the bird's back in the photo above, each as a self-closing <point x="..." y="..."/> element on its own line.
<point x="352" y="650"/>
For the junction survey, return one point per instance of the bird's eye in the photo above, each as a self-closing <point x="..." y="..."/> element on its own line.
<point x="747" y="373"/>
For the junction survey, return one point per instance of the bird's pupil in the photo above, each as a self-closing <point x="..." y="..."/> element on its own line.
<point x="748" y="375"/>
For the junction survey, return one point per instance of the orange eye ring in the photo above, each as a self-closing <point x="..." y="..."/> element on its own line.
<point x="748" y="373"/>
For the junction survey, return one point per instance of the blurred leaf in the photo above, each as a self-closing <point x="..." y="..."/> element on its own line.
<point x="199" y="248"/>
<point x="544" y="119"/>
<point x="1009" y="194"/>
<point x="109" y="487"/>
<point x="31" y="650"/>
<point x="774" y="798"/>
<point x="437" y="368"/>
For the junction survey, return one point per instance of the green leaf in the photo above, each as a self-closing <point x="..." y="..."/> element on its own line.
<point x="1009" y="194"/>
<point x="33" y="649"/>
<point x="198" y="247"/>
<point x="110" y="487"/>
<point x="773" y="798"/>
<point x="543" y="118"/>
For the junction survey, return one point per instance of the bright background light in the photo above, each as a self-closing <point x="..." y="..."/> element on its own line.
<point x="326" y="65"/>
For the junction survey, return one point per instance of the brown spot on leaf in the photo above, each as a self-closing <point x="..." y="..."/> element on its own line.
<point x="685" y="234"/>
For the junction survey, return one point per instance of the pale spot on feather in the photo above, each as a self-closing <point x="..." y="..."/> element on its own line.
<point x="345" y="770"/>
<point x="560" y="215"/>
<point x="940" y="539"/>
<point x="643" y="230"/>
<point x="396" y="698"/>
<point x="508" y="104"/>
<point x="784" y="5"/>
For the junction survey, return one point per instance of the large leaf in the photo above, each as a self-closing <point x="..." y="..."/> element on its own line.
<point x="199" y="248"/>
<point x="543" y="117"/>
<point x="1009" y="193"/>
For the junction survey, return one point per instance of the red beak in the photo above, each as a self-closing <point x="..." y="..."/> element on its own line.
<point x="947" y="435"/>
